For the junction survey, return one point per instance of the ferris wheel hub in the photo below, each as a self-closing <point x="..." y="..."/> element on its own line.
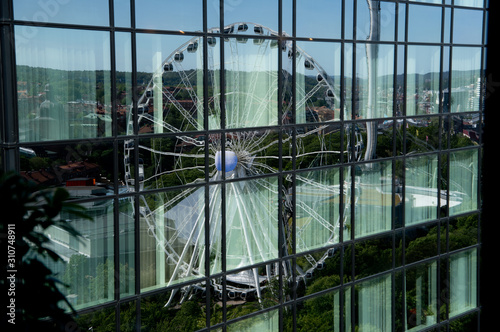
<point x="231" y="160"/>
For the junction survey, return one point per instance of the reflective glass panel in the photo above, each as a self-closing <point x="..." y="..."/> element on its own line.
<point x="167" y="161"/>
<point x="421" y="193"/>
<point x="88" y="321"/>
<point x="317" y="82"/>
<point x="170" y="80"/>
<point x="422" y="134"/>
<point x="261" y="12"/>
<point x="320" y="313"/>
<point x="421" y="243"/>
<point x="317" y="145"/>
<point x="127" y="247"/>
<point x="464" y="176"/>
<point x="84" y="169"/>
<point x="242" y="293"/>
<point x="157" y="14"/>
<point x="319" y="19"/>
<point x="373" y="304"/>
<point x="400" y="29"/>
<point x="266" y="322"/>
<point x="128" y="316"/>
<point x="67" y="84"/>
<point x="373" y="194"/>
<point x="123" y="63"/>
<point x="251" y="222"/>
<point x="318" y="271"/>
<point x="374" y="139"/>
<point x="463" y="281"/>
<point x="122" y="13"/>
<point x="372" y="256"/>
<point x="157" y="313"/>
<point x="375" y="20"/>
<point x="91" y="12"/>
<point x="429" y="1"/>
<point x="424" y="24"/>
<point x="172" y="237"/>
<point x="465" y="79"/>
<point x="251" y="82"/>
<point x="422" y="84"/>
<point x="89" y="265"/>
<point x="421" y="296"/>
<point x="465" y="130"/>
<point x="472" y="31"/>
<point x="462" y="232"/>
<point x="318" y="210"/>
<point x="374" y="80"/>
<point x="247" y="153"/>
<point x="470" y="3"/>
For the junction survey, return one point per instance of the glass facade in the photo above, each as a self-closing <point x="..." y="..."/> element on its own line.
<point x="256" y="165"/>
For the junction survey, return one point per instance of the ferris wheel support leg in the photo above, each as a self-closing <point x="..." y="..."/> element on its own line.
<point x="160" y="212"/>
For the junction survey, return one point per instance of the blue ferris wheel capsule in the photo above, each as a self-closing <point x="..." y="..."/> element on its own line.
<point x="231" y="160"/>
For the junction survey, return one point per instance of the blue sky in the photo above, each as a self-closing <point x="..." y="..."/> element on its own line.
<point x="318" y="19"/>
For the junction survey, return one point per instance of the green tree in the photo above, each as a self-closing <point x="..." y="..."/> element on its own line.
<point x="38" y="300"/>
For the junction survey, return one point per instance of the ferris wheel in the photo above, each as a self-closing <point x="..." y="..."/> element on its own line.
<point x="172" y="104"/>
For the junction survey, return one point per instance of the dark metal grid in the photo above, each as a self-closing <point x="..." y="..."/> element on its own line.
<point x="10" y="143"/>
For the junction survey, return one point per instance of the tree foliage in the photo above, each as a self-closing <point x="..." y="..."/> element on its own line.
<point x="39" y="301"/>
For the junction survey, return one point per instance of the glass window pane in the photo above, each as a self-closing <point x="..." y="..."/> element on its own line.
<point x="316" y="145"/>
<point x="374" y="80"/>
<point x="123" y="63"/>
<point x="170" y="76"/>
<point x="373" y="191"/>
<point x="422" y="134"/>
<point x="84" y="169"/>
<point x="375" y="20"/>
<point x="251" y="222"/>
<point x="465" y="130"/>
<point x="104" y="316"/>
<point x="464" y="174"/>
<point x="172" y="237"/>
<point x="68" y="84"/>
<point x="188" y="315"/>
<point x="429" y="1"/>
<point x="317" y="213"/>
<point x="154" y="14"/>
<point x="372" y="256"/>
<point x="463" y="282"/>
<point x="319" y="19"/>
<point x="470" y="3"/>
<point x="373" y="139"/>
<point x="421" y="196"/>
<point x="91" y="12"/>
<point x="122" y="13"/>
<point x="421" y="243"/>
<point x="317" y="82"/>
<point x="89" y="269"/>
<point x="470" y="33"/>
<point x="251" y="82"/>
<point x="421" y="296"/>
<point x="127" y="247"/>
<point x="422" y="92"/>
<point x="318" y="271"/>
<point x="465" y="79"/>
<point x="321" y="313"/>
<point x="462" y="232"/>
<point x="266" y="322"/>
<point x="424" y="24"/>
<point x="261" y="12"/>
<point x="167" y="161"/>
<point x="373" y="304"/>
